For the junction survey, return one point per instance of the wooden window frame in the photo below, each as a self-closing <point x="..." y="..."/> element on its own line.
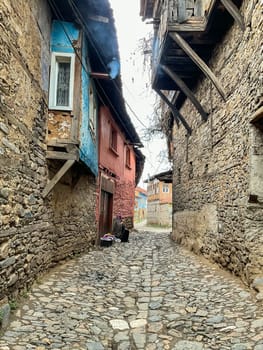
<point x="114" y="140"/>
<point x="165" y="187"/>
<point x="57" y="57"/>
<point x="92" y="113"/>
<point x="128" y="157"/>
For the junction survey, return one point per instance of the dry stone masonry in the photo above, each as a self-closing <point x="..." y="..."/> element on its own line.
<point x="218" y="170"/>
<point x="34" y="232"/>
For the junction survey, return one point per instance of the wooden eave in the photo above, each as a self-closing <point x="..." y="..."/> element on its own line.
<point x="140" y="161"/>
<point x="165" y="176"/>
<point x="102" y="49"/>
<point x="201" y="34"/>
<point x="146" y="9"/>
<point x="257" y="118"/>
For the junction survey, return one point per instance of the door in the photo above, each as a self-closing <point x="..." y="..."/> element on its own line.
<point x="105" y="225"/>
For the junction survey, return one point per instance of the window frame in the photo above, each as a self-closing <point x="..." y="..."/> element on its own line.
<point x="114" y="140"/>
<point x="57" y="57"/>
<point x="92" y="112"/>
<point x="165" y="188"/>
<point x="128" y="157"/>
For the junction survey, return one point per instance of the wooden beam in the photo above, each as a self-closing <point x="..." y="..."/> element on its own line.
<point x="198" y="8"/>
<point x="165" y="99"/>
<point x="198" y="61"/>
<point x="235" y="13"/>
<point x="61" y="155"/>
<point x="184" y="88"/>
<point x="57" y="177"/>
<point x="176" y="113"/>
<point x="58" y="142"/>
<point x="258" y="115"/>
<point x="181" y="11"/>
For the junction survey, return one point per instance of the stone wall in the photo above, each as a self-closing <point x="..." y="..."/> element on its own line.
<point x="73" y="207"/>
<point x="159" y="213"/>
<point x="217" y="166"/>
<point x="165" y="218"/>
<point x="153" y="212"/>
<point x="123" y="201"/>
<point x="34" y="232"/>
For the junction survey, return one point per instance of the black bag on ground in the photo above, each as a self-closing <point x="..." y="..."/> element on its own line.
<point x="125" y="236"/>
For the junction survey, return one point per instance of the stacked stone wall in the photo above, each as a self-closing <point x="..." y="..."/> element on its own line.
<point x="123" y="201"/>
<point x="74" y="216"/>
<point x="153" y="212"/>
<point x="212" y="167"/>
<point x="34" y="232"/>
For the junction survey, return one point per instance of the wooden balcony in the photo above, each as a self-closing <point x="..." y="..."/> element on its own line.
<point x="185" y="33"/>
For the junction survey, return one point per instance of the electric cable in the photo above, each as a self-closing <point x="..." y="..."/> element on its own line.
<point x="86" y="30"/>
<point x="60" y="16"/>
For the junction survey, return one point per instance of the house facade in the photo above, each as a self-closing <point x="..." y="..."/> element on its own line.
<point x="206" y="68"/>
<point x="140" y="207"/>
<point x="52" y="60"/>
<point x="159" y="200"/>
<point x="117" y="170"/>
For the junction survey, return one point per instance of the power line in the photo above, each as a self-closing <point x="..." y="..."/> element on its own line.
<point x="86" y="30"/>
<point x="60" y="16"/>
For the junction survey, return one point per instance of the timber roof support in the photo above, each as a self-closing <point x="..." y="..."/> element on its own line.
<point x="234" y="12"/>
<point x="198" y="61"/>
<point x="184" y="88"/>
<point x="177" y="115"/>
<point x="66" y="166"/>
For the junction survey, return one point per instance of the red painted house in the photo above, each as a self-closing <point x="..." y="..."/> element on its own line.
<point x="120" y="162"/>
<point x="120" y="166"/>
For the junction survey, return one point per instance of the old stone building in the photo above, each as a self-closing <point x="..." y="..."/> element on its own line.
<point x="48" y="131"/>
<point x="207" y="67"/>
<point x="159" y="199"/>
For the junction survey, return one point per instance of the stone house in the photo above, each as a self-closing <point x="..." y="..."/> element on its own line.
<point x="207" y="70"/>
<point x="159" y="199"/>
<point x="51" y="91"/>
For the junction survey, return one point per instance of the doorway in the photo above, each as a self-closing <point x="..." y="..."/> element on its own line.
<point x="106" y="205"/>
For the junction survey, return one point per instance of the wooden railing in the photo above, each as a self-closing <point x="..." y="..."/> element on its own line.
<point x="179" y="15"/>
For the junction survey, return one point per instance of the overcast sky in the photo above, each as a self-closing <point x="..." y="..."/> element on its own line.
<point x="136" y="84"/>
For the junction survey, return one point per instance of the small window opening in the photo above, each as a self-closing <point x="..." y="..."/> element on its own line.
<point x="113" y="140"/>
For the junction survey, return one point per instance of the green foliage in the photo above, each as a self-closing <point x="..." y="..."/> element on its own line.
<point x="13" y="304"/>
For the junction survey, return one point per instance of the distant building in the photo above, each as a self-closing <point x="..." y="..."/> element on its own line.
<point x="140" y="207"/>
<point x="159" y="199"/>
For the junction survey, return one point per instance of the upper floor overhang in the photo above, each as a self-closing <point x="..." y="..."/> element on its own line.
<point x="185" y="33"/>
<point x="146" y="8"/>
<point x="96" y="20"/>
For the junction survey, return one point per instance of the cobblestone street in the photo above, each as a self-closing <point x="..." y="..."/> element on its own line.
<point x="145" y="294"/>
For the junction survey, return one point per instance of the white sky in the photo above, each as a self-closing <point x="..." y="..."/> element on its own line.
<point x="136" y="83"/>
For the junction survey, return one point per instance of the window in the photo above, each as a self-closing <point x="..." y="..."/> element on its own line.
<point x="92" y="113"/>
<point x="165" y="188"/>
<point x="61" y="81"/>
<point x="128" y="157"/>
<point x="113" y="140"/>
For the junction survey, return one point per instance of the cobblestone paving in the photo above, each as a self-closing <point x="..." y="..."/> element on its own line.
<point x="147" y="294"/>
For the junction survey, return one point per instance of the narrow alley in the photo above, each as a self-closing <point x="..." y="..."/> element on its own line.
<point x="145" y="294"/>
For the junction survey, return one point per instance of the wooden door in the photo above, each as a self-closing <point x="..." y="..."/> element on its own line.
<point x="106" y="200"/>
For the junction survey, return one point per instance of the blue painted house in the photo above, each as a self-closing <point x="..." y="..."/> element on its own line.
<point x="60" y="66"/>
<point x="81" y="32"/>
<point x="84" y="79"/>
<point x="140" y="207"/>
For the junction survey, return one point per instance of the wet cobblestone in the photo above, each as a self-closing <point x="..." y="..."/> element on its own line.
<point x="146" y="294"/>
